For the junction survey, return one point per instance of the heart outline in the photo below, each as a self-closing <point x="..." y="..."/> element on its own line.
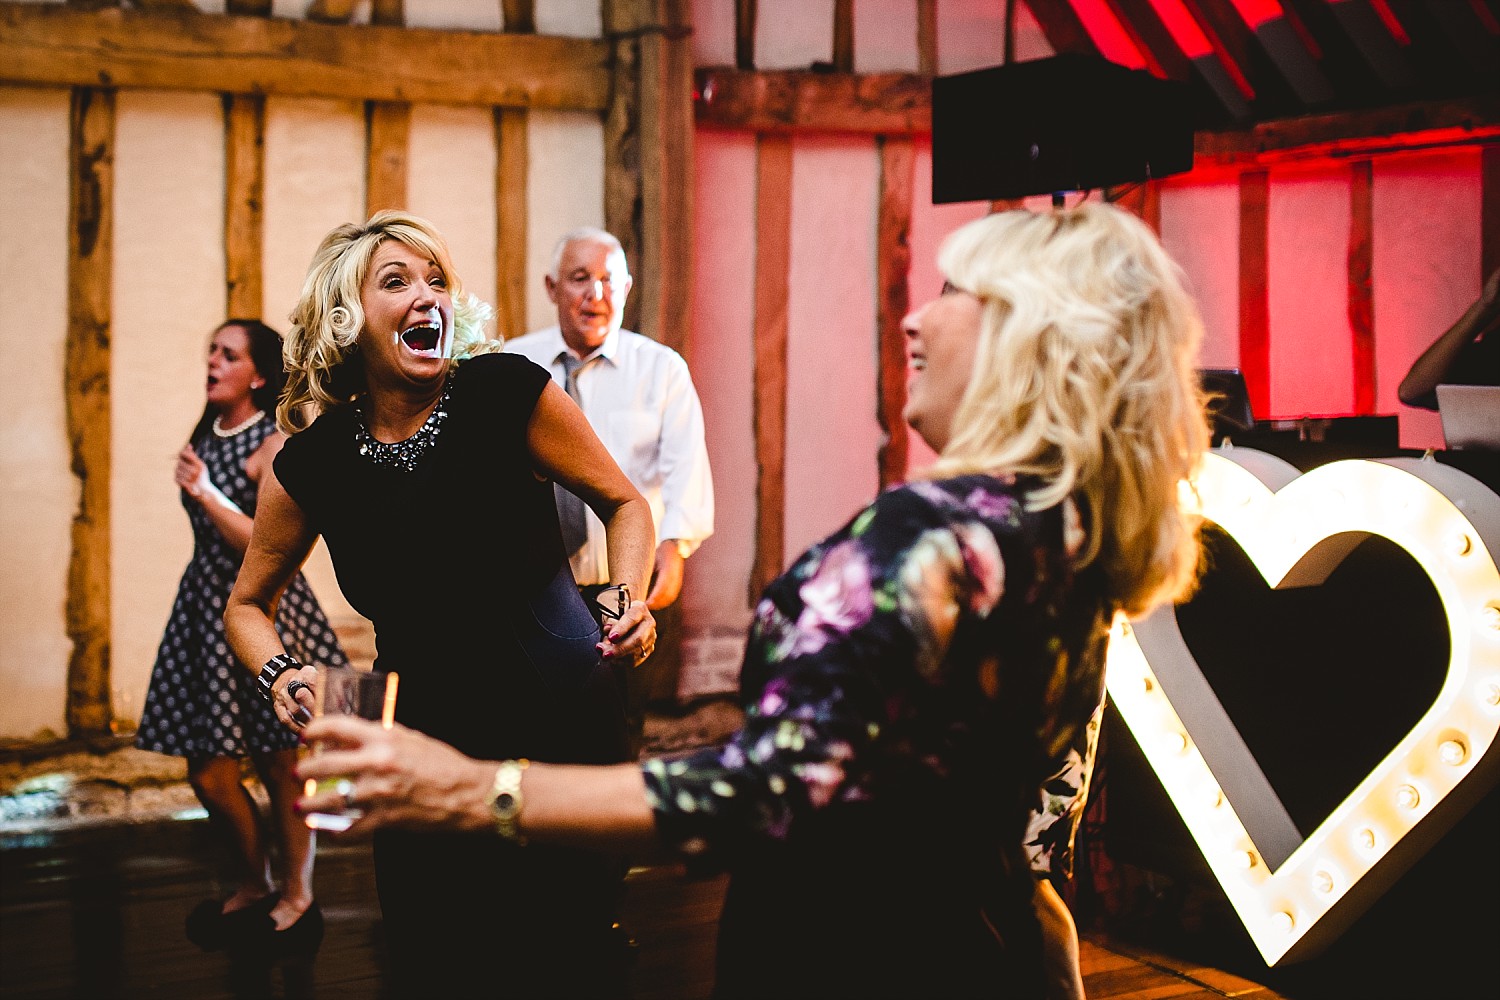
<point x="1295" y="895"/>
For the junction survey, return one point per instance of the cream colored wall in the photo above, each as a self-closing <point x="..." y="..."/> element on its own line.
<point x="167" y="295"/>
<point x="38" y="493"/>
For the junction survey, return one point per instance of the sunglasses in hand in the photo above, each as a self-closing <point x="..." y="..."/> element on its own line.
<point x="612" y="601"/>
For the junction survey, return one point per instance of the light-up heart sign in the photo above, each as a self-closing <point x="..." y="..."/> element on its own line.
<point x="1296" y="895"/>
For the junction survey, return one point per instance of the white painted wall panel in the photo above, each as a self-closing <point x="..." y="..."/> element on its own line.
<point x="38" y="492"/>
<point x="1307" y="280"/>
<point x="1200" y="228"/>
<point x="463" y="15"/>
<point x="565" y="189"/>
<point x="451" y="182"/>
<point x="1427" y="268"/>
<point x="885" y="36"/>
<point x="315" y="180"/>
<point x="970" y="35"/>
<point x="713" y="32"/>
<point x="833" y="437"/>
<point x="794" y="35"/>
<point x="716" y="605"/>
<point x="574" y="18"/>
<point x="168" y="296"/>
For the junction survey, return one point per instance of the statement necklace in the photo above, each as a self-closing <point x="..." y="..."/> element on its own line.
<point x="403" y="455"/>
<point x="228" y="432"/>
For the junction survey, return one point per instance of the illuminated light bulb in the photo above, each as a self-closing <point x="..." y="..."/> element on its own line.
<point x="1246" y="859"/>
<point x="1365" y="839"/>
<point x="1463" y="544"/>
<point x="1147" y="684"/>
<point x="1283" y="921"/>
<point x="1452" y="752"/>
<point x="1322" y="882"/>
<point x="1489" y="617"/>
<point x="1176" y="742"/>
<point x="1216" y="799"/>
<point x="1407" y="797"/>
<point x="1492" y="695"/>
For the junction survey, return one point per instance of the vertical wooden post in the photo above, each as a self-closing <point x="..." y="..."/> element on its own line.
<point x="519" y="15"/>
<point x="387" y="136"/>
<point x="927" y="47"/>
<point x="622" y="146"/>
<point x="1255" y="305"/>
<point x="387" y="133"/>
<point x="1143" y="199"/>
<point x="244" y="199"/>
<point x="773" y="249"/>
<point x="87" y="388"/>
<point x="745" y="14"/>
<point x="511" y="221"/>
<point x="843" y="36"/>
<point x="1362" y="286"/>
<point x="892" y="268"/>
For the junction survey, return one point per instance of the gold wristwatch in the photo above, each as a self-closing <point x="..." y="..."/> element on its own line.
<point x="505" y="799"/>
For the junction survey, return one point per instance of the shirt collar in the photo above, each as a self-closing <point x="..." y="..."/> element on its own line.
<point x="606" y="350"/>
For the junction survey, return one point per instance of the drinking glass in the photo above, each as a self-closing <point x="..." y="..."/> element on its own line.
<point x="364" y="694"/>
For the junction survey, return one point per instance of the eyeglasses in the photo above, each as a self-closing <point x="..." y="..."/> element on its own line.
<point x="612" y="601"/>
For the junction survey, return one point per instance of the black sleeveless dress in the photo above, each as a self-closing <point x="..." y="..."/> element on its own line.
<point x="459" y="565"/>
<point x="201" y="702"/>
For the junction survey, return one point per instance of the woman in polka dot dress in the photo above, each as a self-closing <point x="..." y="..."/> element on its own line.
<point x="201" y="703"/>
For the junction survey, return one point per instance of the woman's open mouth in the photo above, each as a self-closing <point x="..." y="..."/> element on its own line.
<point x="423" y="339"/>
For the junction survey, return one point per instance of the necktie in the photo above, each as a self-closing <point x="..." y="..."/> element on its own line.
<point x="572" y="516"/>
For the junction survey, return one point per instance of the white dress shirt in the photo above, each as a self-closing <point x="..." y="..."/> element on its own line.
<point x="640" y="400"/>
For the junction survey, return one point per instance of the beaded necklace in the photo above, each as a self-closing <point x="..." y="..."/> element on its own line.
<point x="228" y="432"/>
<point x="403" y="455"/>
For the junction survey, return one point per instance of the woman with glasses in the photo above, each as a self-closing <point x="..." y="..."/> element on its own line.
<point x="427" y="466"/>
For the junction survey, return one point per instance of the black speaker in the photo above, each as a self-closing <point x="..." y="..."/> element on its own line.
<point x="1067" y="123"/>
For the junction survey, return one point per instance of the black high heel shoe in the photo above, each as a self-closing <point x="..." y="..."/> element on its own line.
<point x="211" y="929"/>
<point x="303" y="936"/>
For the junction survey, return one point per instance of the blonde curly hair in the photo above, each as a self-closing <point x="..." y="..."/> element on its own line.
<point x="1084" y="376"/>
<point x="320" y="351"/>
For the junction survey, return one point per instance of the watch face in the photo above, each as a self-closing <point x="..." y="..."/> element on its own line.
<point x="505" y="804"/>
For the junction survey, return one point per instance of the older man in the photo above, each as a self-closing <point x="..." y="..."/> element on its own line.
<point x="640" y="400"/>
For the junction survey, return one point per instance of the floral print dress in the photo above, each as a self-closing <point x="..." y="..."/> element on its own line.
<point x="909" y="683"/>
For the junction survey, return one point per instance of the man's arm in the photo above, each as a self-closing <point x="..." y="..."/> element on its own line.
<point x="687" y="490"/>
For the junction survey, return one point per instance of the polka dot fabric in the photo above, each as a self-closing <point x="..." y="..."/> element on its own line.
<point x="201" y="702"/>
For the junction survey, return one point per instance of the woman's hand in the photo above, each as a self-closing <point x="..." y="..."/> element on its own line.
<point x="630" y="638"/>
<point x="294" y="696"/>
<point x="191" y="474"/>
<point x="396" y="777"/>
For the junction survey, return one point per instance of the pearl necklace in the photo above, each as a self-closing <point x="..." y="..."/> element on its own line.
<point x="228" y="432"/>
<point x="403" y="455"/>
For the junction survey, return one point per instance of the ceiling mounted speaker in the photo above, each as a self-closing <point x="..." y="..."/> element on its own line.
<point x="1067" y="123"/>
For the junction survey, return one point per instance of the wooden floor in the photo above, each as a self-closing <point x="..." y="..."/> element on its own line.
<point x="97" y="912"/>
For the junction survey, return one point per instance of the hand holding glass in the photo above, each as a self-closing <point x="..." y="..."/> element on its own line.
<point x="363" y="694"/>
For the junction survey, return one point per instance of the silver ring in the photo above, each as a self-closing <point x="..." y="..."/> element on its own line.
<point x="345" y="788"/>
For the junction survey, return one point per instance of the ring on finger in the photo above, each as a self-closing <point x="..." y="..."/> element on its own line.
<point x="294" y="686"/>
<point x="345" y="789"/>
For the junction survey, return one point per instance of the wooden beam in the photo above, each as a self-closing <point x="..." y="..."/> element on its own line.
<point x="623" y="149"/>
<point x="1149" y="33"/>
<point x="1143" y="199"/>
<point x="248" y="8"/>
<point x="511" y="221"/>
<point x="47" y="44"/>
<point x="892" y="270"/>
<point x="87" y="394"/>
<point x="1360" y="134"/>
<point x="388" y="12"/>
<point x="387" y="138"/>
<point x="244" y="200"/>
<point x="773" y="246"/>
<point x="330" y="11"/>
<point x="1362" y="285"/>
<point x="666" y="170"/>
<point x="843" y="36"/>
<point x="745" y="13"/>
<point x="1064" y="30"/>
<point x="1254" y="296"/>
<point x="870" y="103"/>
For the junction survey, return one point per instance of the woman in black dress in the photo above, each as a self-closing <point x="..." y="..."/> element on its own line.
<point x="428" y="472"/>
<point x="200" y="703"/>
<point x="912" y="679"/>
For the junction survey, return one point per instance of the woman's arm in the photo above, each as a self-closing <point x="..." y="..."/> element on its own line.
<point x="279" y="543"/>
<point x="566" y="450"/>
<point x="404" y="778"/>
<point x="1434" y="365"/>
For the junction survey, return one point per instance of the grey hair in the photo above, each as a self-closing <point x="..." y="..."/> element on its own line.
<point x="593" y="233"/>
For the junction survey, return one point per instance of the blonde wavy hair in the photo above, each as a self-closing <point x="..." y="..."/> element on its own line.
<point x="321" y="350"/>
<point x="1084" y="376"/>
